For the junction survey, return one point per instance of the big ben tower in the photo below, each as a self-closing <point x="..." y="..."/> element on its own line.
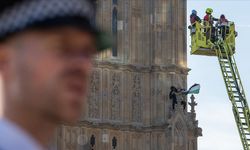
<point x="128" y="107"/>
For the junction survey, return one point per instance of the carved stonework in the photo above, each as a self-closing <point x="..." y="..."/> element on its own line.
<point x="116" y="96"/>
<point x="142" y="69"/>
<point x="156" y="92"/>
<point x="129" y="89"/>
<point x="179" y="136"/>
<point x="136" y="99"/>
<point x="67" y="139"/>
<point x="94" y="96"/>
<point x="71" y="135"/>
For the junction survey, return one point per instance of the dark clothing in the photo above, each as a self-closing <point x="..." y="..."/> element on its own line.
<point x="172" y="96"/>
<point x="194" y="18"/>
<point x="184" y="104"/>
<point x="224" y="30"/>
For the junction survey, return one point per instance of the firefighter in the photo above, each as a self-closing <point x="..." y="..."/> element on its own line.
<point x="208" y="22"/>
<point x="208" y="18"/>
<point x="194" y="18"/>
<point x="223" y="25"/>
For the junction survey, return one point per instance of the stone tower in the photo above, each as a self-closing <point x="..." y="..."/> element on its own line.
<point x="128" y="106"/>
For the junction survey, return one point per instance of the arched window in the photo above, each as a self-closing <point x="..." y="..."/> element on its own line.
<point x="114" y="30"/>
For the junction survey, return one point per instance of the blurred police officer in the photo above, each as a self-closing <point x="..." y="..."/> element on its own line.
<point x="46" y="50"/>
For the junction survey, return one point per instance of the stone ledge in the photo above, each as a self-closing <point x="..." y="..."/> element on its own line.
<point x="172" y="68"/>
<point x="123" y="127"/>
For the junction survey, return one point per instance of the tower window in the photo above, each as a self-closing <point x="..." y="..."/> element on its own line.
<point x="114" y="31"/>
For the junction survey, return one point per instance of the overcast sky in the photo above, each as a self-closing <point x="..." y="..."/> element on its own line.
<point x="214" y="110"/>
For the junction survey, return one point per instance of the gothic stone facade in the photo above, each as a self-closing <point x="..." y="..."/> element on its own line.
<point x="128" y="104"/>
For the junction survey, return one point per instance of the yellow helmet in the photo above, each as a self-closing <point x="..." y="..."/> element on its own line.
<point x="209" y="10"/>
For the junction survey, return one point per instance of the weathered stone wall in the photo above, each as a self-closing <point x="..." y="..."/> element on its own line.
<point x="128" y="94"/>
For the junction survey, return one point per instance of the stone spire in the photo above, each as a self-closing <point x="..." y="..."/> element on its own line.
<point x="192" y="104"/>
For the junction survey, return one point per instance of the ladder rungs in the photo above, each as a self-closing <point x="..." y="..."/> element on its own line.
<point x="233" y="88"/>
<point x="237" y="100"/>
<point x="230" y="82"/>
<point x="225" y="70"/>
<point x="245" y="128"/>
<point x="235" y="91"/>
<point x="224" y="60"/>
<point x="231" y="77"/>
<point x="239" y="111"/>
<point x="226" y="65"/>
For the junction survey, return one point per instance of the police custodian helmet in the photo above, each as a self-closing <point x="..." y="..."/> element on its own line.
<point x="19" y="15"/>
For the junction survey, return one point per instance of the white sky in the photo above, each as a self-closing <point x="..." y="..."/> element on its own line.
<point x="214" y="110"/>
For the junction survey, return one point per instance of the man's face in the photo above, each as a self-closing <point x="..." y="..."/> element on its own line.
<point x="47" y="72"/>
